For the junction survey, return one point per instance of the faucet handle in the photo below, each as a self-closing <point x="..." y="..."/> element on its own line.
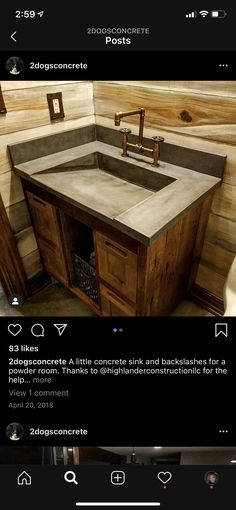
<point x="125" y="130"/>
<point x="156" y="149"/>
<point x="158" y="139"/>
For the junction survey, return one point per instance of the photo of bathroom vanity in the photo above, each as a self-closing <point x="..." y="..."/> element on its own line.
<point x="143" y="223"/>
<point x="124" y="204"/>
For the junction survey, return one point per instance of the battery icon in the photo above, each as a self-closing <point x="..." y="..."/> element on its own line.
<point x="218" y="14"/>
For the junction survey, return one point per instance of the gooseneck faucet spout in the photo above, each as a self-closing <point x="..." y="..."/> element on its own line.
<point x="139" y="111"/>
<point x="138" y="147"/>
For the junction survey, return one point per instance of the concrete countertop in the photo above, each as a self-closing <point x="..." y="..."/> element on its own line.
<point x="141" y="213"/>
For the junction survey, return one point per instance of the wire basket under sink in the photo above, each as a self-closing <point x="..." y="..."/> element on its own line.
<point x="86" y="277"/>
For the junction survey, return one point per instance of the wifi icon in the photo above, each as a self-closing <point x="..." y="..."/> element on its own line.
<point x="204" y="13"/>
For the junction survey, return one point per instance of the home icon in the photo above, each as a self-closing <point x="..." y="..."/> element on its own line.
<point x="24" y="479"/>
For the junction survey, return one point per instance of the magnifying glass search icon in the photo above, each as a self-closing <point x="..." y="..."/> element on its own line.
<point x="70" y="477"/>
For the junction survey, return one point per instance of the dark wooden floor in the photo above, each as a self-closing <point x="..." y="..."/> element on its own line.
<point x="56" y="300"/>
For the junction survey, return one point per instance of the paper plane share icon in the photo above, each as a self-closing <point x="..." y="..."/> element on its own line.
<point x="60" y="328"/>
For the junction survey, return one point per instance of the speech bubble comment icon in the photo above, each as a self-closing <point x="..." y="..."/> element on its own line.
<point x="37" y="330"/>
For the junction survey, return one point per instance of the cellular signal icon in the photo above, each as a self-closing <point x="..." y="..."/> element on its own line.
<point x="204" y="13"/>
<point x="192" y="14"/>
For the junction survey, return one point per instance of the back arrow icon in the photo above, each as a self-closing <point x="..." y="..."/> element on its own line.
<point x="12" y="36"/>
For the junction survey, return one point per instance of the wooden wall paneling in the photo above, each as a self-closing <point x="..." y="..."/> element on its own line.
<point x="221" y="231"/>
<point x="219" y="88"/>
<point x="225" y="88"/>
<point x="28" y="118"/>
<point x="12" y="275"/>
<point x="224" y="203"/>
<point x="26" y="242"/>
<point x="21" y="84"/>
<point x="11" y="189"/>
<point x="208" y="279"/>
<point x="5" y="163"/>
<point x="214" y="267"/>
<point x="229" y="176"/>
<point x="210" y="302"/>
<point x="32" y="265"/>
<point x="28" y="108"/>
<point x="217" y="258"/>
<point x="3" y="109"/>
<point x="18" y="216"/>
<point x="201" y="115"/>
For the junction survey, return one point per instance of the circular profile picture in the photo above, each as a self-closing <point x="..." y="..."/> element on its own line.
<point x="14" y="431"/>
<point x="14" y="65"/>
<point x="212" y="478"/>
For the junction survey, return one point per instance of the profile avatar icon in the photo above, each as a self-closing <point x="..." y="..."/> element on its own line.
<point x="212" y="478"/>
<point x="14" y="431"/>
<point x="14" y="65"/>
<point x="15" y="300"/>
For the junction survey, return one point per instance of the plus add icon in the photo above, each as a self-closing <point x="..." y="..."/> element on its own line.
<point x="117" y="477"/>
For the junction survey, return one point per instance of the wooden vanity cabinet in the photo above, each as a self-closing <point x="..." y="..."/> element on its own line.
<point x="113" y="305"/>
<point x="117" y="265"/>
<point x="47" y="230"/>
<point x="133" y="278"/>
<point x="150" y="280"/>
<point x="44" y="218"/>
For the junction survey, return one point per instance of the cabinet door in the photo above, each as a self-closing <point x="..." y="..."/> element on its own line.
<point x="113" y="305"/>
<point x="117" y="266"/>
<point x="47" y="230"/>
<point x="45" y="219"/>
<point x="53" y="261"/>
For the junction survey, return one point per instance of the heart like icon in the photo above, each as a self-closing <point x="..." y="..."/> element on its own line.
<point x="164" y="476"/>
<point x="14" y="329"/>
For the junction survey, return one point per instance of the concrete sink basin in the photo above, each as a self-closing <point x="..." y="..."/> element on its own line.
<point x="128" y="193"/>
<point x="105" y="184"/>
<point x="126" y="170"/>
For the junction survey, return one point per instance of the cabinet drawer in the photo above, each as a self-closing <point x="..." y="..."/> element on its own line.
<point x="53" y="260"/>
<point x="44" y="218"/>
<point x="117" y="266"/>
<point x="114" y="306"/>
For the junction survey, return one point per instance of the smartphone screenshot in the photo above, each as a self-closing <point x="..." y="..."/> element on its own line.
<point x="118" y="256"/>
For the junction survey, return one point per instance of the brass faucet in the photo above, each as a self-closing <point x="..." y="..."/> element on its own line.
<point x="138" y="146"/>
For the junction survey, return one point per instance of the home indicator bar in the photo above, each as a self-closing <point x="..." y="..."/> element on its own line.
<point x="118" y="504"/>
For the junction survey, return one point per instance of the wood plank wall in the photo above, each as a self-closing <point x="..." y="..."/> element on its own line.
<point x="28" y="117"/>
<point x="200" y="115"/>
